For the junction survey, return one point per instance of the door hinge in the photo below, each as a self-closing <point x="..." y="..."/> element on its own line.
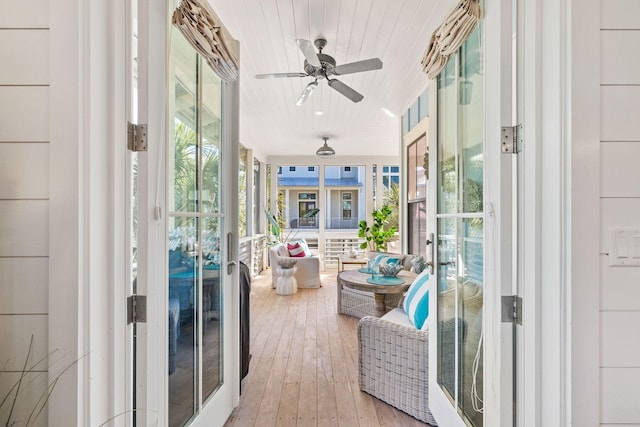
<point x="136" y="309"/>
<point x="512" y="309"/>
<point x="136" y="137"/>
<point x="512" y="139"/>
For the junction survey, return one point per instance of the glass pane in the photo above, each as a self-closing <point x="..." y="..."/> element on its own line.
<point x="346" y="182"/>
<point x="447" y="181"/>
<point x="471" y="133"/>
<point x="405" y="123"/>
<point x="414" y="115"/>
<point x="182" y="332"/>
<point x="242" y="192"/>
<point x="256" y="197"/>
<point x="423" y="101"/>
<point x="418" y="228"/>
<point x="470" y="297"/>
<point x="471" y="124"/>
<point x="211" y="136"/>
<point x="447" y="296"/>
<point x="181" y="170"/>
<point x="421" y="178"/>
<point x="211" y="307"/>
<point x="412" y="163"/>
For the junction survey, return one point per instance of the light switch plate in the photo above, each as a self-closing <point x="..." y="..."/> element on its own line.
<point x="624" y="247"/>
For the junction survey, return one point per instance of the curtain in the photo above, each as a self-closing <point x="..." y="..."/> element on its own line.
<point x="450" y="35"/>
<point x="203" y="29"/>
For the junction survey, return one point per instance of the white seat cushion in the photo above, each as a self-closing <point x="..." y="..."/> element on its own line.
<point x="397" y="315"/>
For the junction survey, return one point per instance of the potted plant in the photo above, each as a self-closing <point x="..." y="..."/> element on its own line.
<point x="379" y="233"/>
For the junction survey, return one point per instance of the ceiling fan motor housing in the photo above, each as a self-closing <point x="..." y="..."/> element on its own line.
<point x="328" y="65"/>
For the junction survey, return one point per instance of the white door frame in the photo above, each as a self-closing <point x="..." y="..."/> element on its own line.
<point x="544" y="214"/>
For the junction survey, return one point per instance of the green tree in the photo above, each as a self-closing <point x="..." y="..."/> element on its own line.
<point x="378" y="234"/>
<point x="391" y="198"/>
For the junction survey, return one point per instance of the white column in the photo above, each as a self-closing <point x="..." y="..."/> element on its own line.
<point x="323" y="206"/>
<point x="249" y="189"/>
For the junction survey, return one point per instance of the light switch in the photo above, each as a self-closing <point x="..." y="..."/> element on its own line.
<point x="624" y="247"/>
<point x="634" y="249"/>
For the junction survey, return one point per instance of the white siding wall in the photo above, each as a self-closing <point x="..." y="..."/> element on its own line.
<point x="620" y="206"/>
<point x="24" y="202"/>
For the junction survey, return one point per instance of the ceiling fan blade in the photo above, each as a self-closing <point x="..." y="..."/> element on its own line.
<point x="279" y="75"/>
<point x="345" y="90"/>
<point x="356" y="67"/>
<point x="309" y="52"/>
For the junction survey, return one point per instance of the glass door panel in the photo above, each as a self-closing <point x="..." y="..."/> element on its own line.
<point x="183" y="262"/>
<point x="195" y="278"/>
<point x="212" y="344"/>
<point x="470" y="300"/>
<point x="447" y="140"/>
<point x="304" y="209"/>
<point x="183" y="292"/>
<point x="460" y="231"/>
<point x="447" y="314"/>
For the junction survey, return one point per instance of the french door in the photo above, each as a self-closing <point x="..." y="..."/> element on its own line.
<point x="472" y="352"/>
<point x="186" y="369"/>
<point x="199" y="239"/>
<point x="459" y="237"/>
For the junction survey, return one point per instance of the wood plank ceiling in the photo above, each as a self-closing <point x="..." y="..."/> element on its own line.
<point x="396" y="31"/>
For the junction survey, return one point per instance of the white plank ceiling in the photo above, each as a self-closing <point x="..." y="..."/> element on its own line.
<point x="396" y="31"/>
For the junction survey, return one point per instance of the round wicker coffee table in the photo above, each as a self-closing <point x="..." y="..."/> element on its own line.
<point x="356" y="280"/>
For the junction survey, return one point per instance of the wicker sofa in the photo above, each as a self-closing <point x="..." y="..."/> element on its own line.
<point x="307" y="268"/>
<point x="360" y="303"/>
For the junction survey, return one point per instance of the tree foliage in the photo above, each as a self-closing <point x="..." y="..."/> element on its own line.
<point x="377" y="235"/>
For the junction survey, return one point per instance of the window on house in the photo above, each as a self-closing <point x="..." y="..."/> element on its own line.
<point x="416" y="196"/>
<point x="311" y="169"/>
<point x="346" y="206"/>
<point x="292" y="168"/>
<point x="345" y="196"/>
<point x="391" y="193"/>
<point x="279" y="170"/>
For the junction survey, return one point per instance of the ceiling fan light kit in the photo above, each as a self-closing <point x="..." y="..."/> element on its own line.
<point x="306" y="93"/>
<point x="325" y="150"/>
<point x="322" y="66"/>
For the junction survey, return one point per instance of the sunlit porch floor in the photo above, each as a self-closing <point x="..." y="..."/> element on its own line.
<point x="304" y="366"/>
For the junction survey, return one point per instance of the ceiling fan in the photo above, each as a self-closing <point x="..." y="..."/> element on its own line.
<point x="322" y="66"/>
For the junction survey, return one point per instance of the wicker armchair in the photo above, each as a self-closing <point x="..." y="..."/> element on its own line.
<point x="393" y="363"/>
<point x="393" y="360"/>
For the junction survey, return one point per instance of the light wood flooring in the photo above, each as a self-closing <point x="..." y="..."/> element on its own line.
<point x="304" y="366"/>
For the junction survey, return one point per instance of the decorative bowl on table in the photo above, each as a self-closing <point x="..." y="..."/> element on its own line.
<point x="388" y="269"/>
<point x="287" y="262"/>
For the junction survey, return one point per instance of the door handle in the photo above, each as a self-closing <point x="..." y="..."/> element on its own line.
<point x="231" y="263"/>
<point x="433" y="250"/>
<point x="230" y="266"/>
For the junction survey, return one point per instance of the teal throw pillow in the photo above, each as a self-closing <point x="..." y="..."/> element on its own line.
<point x="416" y="301"/>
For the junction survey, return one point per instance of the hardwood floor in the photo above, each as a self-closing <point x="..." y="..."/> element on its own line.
<point x="304" y="366"/>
